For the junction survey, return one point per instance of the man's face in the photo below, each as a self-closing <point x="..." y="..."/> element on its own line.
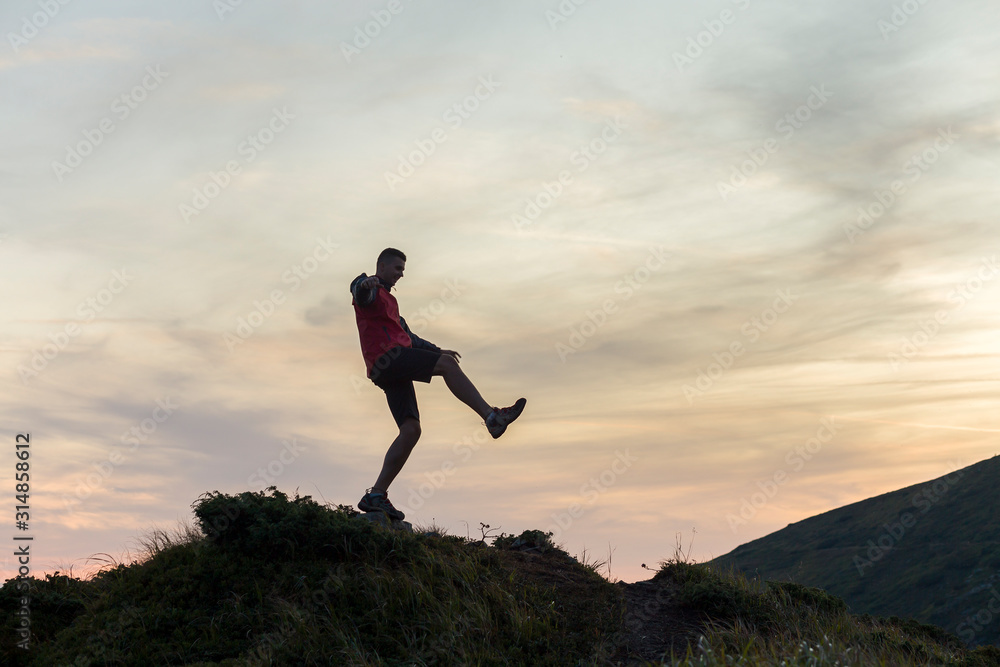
<point x="391" y="270"/>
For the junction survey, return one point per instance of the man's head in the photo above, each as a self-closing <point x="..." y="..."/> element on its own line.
<point x="390" y="264"/>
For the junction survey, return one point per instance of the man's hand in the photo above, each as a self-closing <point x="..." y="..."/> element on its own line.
<point x="371" y="282"/>
<point x="451" y="353"/>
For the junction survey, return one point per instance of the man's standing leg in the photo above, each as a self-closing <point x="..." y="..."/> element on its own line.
<point x="399" y="451"/>
<point x="402" y="401"/>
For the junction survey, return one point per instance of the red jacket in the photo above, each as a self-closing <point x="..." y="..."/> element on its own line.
<point x="379" y="325"/>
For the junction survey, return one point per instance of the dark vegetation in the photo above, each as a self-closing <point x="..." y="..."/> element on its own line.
<point x="270" y="580"/>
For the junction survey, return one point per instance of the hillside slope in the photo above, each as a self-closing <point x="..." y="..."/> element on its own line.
<point x="930" y="551"/>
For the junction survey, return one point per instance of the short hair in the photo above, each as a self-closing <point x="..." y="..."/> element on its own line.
<point x="390" y="252"/>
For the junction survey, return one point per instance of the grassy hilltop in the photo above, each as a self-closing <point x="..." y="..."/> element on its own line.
<point x="269" y="580"/>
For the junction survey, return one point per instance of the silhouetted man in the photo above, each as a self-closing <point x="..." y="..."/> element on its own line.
<point x="395" y="357"/>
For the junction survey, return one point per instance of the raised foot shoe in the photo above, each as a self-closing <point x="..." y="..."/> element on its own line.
<point x="378" y="501"/>
<point x="498" y="420"/>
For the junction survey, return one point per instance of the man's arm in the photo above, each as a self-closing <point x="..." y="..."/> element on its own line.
<point x="363" y="289"/>
<point x="418" y="342"/>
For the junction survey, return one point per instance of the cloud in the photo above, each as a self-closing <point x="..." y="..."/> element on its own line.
<point x="61" y="41"/>
<point x="326" y="312"/>
<point x="66" y="52"/>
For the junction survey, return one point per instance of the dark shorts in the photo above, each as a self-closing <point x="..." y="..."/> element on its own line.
<point x="394" y="373"/>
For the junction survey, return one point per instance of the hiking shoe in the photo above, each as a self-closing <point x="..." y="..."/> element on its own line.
<point x="378" y="501"/>
<point x="498" y="420"/>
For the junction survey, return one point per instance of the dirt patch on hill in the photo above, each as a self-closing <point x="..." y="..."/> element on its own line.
<point x="656" y="624"/>
<point x="643" y="622"/>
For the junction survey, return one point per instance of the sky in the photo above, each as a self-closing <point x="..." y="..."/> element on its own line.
<point x="738" y="256"/>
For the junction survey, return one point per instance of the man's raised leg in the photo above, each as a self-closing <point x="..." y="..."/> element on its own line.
<point x="460" y="385"/>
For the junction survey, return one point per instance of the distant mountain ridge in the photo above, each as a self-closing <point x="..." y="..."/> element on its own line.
<point x="930" y="551"/>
